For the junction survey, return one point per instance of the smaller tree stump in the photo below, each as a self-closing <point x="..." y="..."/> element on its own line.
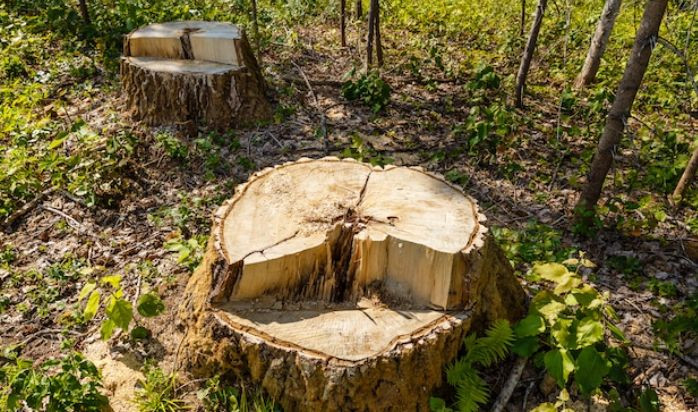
<point x="193" y="71"/>
<point x="337" y="286"/>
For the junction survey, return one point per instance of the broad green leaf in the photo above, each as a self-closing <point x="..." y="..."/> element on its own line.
<point x="591" y="369"/>
<point x="89" y="287"/>
<point x="562" y="333"/>
<point x="553" y="272"/>
<point x="113" y="280"/>
<point x="648" y="401"/>
<point x="526" y="346"/>
<point x="150" y="305"/>
<point x="559" y="365"/>
<point x="106" y="330"/>
<point x="566" y="283"/>
<point x="56" y="143"/>
<point x="120" y="312"/>
<point x="545" y="407"/>
<point x="437" y="404"/>
<point x="615" y="330"/>
<point x="531" y="325"/>
<point x="587" y="297"/>
<point x="550" y="311"/>
<point x="140" y="333"/>
<point x="92" y="305"/>
<point x="589" y="331"/>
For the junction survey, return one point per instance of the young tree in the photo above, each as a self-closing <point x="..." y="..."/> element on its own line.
<point x="523" y="16"/>
<point x="84" y="11"/>
<point x="255" y="27"/>
<point x="598" y="43"/>
<point x="342" y="21"/>
<point x="686" y="177"/>
<point x="359" y="9"/>
<point x="374" y="32"/>
<point x="645" y="40"/>
<point x="528" y="52"/>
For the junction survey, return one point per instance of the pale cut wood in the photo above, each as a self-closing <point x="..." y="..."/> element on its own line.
<point x="193" y="72"/>
<point x="337" y="285"/>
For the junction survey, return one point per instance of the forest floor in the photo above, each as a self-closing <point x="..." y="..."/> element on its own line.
<point x="173" y="180"/>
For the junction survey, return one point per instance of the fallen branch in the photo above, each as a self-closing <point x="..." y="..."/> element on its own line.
<point x="510" y="385"/>
<point x="665" y="351"/>
<point x="316" y="104"/>
<point x="26" y="208"/>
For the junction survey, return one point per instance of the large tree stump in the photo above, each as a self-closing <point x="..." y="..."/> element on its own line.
<point x="341" y="286"/>
<point x="192" y="71"/>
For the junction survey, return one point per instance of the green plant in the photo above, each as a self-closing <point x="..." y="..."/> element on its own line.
<point x="158" y="392"/>
<point x="471" y="390"/>
<point x="118" y="311"/>
<point x="485" y="78"/>
<point x="189" y="252"/>
<point x="369" y="88"/>
<point x="681" y="326"/>
<point x="174" y="148"/>
<point x="363" y="152"/>
<point x="565" y="330"/>
<point x="69" y="383"/>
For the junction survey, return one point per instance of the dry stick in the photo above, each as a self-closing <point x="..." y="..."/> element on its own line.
<point x="686" y="177"/>
<point x="316" y="105"/>
<point x="510" y="385"/>
<point x="635" y="68"/>
<point x="342" y="21"/>
<point x="528" y="52"/>
<point x="26" y="208"/>
<point x="685" y="359"/>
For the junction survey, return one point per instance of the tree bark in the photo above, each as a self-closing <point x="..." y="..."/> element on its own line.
<point x="255" y="25"/>
<point x="369" y="40"/>
<point x="359" y="9"/>
<point x="336" y="286"/>
<point x="342" y="21"/>
<point x="645" y="41"/>
<point x="84" y="11"/>
<point x="528" y="52"/>
<point x="523" y="16"/>
<point x="377" y="27"/>
<point x="686" y="177"/>
<point x="598" y="43"/>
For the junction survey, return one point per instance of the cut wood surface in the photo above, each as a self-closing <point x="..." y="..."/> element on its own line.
<point x="326" y="280"/>
<point x="192" y="71"/>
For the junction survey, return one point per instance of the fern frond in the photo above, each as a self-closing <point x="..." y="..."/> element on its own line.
<point x="492" y="347"/>
<point x="455" y="372"/>
<point x="471" y="392"/>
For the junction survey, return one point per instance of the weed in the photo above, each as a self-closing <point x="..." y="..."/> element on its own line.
<point x="158" y="391"/>
<point x="369" y="88"/>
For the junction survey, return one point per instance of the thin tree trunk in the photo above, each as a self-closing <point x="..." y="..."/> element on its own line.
<point x="686" y="177"/>
<point x="369" y="41"/>
<point x="342" y="21"/>
<point x="598" y="43"/>
<point x="645" y="41"/>
<point x="528" y="52"/>
<point x="359" y="10"/>
<point x="84" y="11"/>
<point x="523" y="16"/>
<point x="255" y="26"/>
<point x="377" y="28"/>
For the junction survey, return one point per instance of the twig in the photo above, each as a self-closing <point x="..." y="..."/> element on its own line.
<point x="664" y="350"/>
<point x="528" y="392"/>
<point x="317" y="107"/>
<point x="71" y="221"/>
<point x="510" y="385"/>
<point x="26" y="208"/>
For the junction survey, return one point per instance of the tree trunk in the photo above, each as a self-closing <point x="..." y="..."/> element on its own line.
<point x="528" y="52"/>
<point x="336" y="285"/>
<point x="598" y="43"/>
<point x="523" y="16"/>
<point x="377" y="28"/>
<point x="371" y="32"/>
<point x="359" y="9"/>
<point x="342" y="21"/>
<point x="686" y="177"/>
<point x="255" y="25"/>
<point x="84" y="11"/>
<point x="645" y="41"/>
<point x="192" y="72"/>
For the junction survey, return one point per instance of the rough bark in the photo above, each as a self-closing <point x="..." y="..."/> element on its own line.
<point x="255" y="25"/>
<point x="523" y="17"/>
<point x="528" y="52"/>
<point x="371" y="33"/>
<point x="686" y="177"/>
<point x="359" y="9"/>
<point x="645" y="41"/>
<point x="377" y="27"/>
<point x="203" y="75"/>
<point x="599" y="42"/>
<point x="322" y="326"/>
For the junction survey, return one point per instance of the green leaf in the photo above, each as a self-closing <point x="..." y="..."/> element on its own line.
<point x="553" y="272"/>
<point x="92" y="305"/>
<point x="589" y="331"/>
<point x="120" y="312"/>
<point x="437" y="404"/>
<point x="615" y="330"/>
<point x="531" y="325"/>
<point x="648" y="401"/>
<point x="526" y="346"/>
<point x="566" y="283"/>
<point x="550" y="311"/>
<point x="113" y="280"/>
<point x="559" y="365"/>
<point x="150" y="305"/>
<point x="107" y="329"/>
<point x="545" y="407"/>
<point x="89" y="287"/>
<point x="591" y="369"/>
<point x="140" y="333"/>
<point x="561" y="332"/>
